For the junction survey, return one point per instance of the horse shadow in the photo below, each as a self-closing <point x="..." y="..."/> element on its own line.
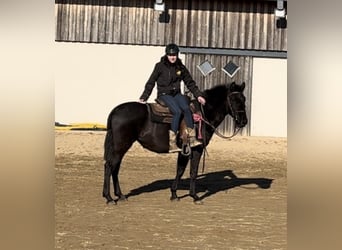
<point x="210" y="184"/>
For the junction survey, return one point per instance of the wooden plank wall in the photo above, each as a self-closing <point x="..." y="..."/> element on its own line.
<point x="219" y="77"/>
<point x="203" y="23"/>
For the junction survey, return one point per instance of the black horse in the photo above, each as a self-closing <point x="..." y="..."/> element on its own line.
<point x="130" y="122"/>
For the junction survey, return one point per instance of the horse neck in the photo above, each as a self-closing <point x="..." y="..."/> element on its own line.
<point x="215" y="115"/>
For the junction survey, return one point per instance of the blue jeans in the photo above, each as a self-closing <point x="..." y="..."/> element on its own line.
<point x="178" y="104"/>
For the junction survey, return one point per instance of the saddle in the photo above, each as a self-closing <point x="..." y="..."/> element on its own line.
<point x="159" y="111"/>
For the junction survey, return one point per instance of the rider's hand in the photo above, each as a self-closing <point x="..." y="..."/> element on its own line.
<point x="201" y="100"/>
<point x="142" y="101"/>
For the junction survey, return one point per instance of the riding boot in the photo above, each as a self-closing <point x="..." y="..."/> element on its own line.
<point x="173" y="143"/>
<point x="192" y="136"/>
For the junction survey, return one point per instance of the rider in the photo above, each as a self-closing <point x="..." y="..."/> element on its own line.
<point x="168" y="73"/>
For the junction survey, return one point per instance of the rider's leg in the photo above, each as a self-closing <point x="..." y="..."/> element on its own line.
<point x="176" y="112"/>
<point x="171" y="102"/>
<point x="184" y="105"/>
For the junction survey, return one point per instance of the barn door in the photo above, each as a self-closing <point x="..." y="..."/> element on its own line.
<point x="219" y="77"/>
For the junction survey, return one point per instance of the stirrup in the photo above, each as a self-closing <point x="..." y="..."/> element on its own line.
<point x="186" y="149"/>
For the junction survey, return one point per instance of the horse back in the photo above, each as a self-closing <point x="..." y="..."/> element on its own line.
<point x="131" y="122"/>
<point x="128" y="112"/>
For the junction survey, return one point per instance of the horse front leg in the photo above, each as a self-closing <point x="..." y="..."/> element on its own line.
<point x="182" y="161"/>
<point x="196" y="156"/>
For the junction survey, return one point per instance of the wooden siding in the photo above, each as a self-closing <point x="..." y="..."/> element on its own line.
<point x="219" y="77"/>
<point x="209" y="24"/>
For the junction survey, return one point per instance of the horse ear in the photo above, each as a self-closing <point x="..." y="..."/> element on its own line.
<point x="231" y="86"/>
<point x="243" y="85"/>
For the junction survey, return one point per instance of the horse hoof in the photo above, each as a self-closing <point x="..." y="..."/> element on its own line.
<point x="174" y="197"/>
<point x="111" y="202"/>
<point x="121" y="199"/>
<point x="198" y="202"/>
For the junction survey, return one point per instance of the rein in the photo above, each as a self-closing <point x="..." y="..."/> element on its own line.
<point x="236" y="130"/>
<point x="200" y="118"/>
<point x="218" y="133"/>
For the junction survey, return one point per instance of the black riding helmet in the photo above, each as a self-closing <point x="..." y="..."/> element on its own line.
<point x="171" y="49"/>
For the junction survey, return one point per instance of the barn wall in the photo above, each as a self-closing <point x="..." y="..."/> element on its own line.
<point x="210" y="24"/>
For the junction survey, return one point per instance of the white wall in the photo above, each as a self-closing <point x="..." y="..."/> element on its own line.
<point x="91" y="79"/>
<point x="269" y="97"/>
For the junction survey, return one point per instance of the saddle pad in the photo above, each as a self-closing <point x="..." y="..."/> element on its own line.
<point x="160" y="113"/>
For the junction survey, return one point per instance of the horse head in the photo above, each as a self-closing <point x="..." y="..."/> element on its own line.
<point x="236" y="103"/>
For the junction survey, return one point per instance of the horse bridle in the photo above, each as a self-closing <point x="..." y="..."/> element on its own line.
<point x="234" y="112"/>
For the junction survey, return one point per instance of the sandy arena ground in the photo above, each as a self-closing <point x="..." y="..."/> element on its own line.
<point x="244" y="190"/>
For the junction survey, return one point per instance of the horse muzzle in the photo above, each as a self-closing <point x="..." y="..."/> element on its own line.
<point x="241" y="120"/>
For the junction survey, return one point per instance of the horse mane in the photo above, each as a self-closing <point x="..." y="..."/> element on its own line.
<point x="217" y="95"/>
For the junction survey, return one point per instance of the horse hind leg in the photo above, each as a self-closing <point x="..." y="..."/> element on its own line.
<point x="113" y="160"/>
<point x="112" y="167"/>
<point x="116" y="183"/>
<point x="114" y="152"/>
<point x="106" y="183"/>
<point x="108" y="166"/>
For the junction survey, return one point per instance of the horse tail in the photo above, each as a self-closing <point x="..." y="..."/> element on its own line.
<point x="109" y="142"/>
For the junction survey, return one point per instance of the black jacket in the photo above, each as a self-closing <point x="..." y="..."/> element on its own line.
<point x="168" y="77"/>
